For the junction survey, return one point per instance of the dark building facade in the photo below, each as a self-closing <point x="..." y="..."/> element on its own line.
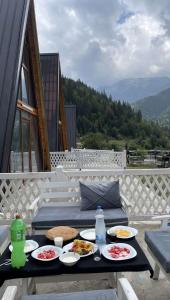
<point x="54" y="101"/>
<point x="70" y="111"/>
<point x="23" y="132"/>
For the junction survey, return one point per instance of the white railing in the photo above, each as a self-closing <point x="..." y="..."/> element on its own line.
<point x="89" y="159"/>
<point x="147" y="190"/>
<point x="18" y="190"/>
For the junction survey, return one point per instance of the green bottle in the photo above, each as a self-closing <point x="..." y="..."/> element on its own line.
<point x="17" y="229"/>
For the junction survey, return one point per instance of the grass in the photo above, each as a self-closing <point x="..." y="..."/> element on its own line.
<point x="141" y="166"/>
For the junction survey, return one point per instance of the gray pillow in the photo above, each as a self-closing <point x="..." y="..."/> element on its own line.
<point x="105" y="194"/>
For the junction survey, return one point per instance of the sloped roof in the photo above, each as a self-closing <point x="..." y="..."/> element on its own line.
<point x="13" y="18"/>
<point x="13" y="22"/>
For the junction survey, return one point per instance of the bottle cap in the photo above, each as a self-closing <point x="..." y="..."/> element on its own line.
<point x="18" y="216"/>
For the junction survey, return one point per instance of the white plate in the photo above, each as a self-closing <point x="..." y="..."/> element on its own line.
<point x="30" y="245"/>
<point x="68" y="247"/>
<point x="106" y="254"/>
<point x="132" y="230"/>
<point x="58" y="252"/>
<point x="88" y="234"/>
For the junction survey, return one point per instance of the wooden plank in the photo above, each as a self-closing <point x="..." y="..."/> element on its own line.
<point x="60" y="195"/>
<point x="58" y="184"/>
<point x="25" y="107"/>
<point x="35" y="61"/>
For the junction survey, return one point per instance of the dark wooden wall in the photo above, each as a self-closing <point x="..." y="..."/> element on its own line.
<point x="70" y="111"/>
<point x="50" y="75"/>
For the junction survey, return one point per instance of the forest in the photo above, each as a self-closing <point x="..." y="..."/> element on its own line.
<point x="106" y="123"/>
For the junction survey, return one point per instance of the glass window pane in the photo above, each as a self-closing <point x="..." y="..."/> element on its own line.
<point x="16" y="156"/>
<point x="19" y="92"/>
<point x="31" y="159"/>
<point x="34" y="146"/>
<point x="25" y="152"/>
<point x="28" y="76"/>
<point x="24" y="87"/>
<point x="26" y="144"/>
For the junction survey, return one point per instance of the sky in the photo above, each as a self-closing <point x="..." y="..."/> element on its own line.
<point x="100" y="41"/>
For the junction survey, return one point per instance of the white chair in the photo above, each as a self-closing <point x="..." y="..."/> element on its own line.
<point x="10" y="293"/>
<point x="124" y="292"/>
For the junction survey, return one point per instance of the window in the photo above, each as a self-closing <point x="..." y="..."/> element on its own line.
<point x="24" y="88"/>
<point x="25" y="151"/>
<point x="16" y="159"/>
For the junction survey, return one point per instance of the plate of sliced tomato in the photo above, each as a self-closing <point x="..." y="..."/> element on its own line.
<point x="118" y="251"/>
<point x="47" y="253"/>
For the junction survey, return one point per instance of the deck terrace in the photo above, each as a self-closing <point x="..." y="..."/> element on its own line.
<point x="147" y="190"/>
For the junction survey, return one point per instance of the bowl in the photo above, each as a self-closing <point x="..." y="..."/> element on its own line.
<point x="69" y="259"/>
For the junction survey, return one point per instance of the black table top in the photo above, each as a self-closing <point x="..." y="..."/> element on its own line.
<point x="34" y="268"/>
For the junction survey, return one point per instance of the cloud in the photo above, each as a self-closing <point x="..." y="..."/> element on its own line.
<point x="100" y="41"/>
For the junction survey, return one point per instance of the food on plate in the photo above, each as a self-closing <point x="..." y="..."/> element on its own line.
<point x="47" y="254"/>
<point x="122" y="233"/>
<point x="69" y="259"/>
<point x="66" y="232"/>
<point x="81" y="247"/>
<point x="118" y="252"/>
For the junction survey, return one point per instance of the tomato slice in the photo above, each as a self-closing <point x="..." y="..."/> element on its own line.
<point x="117" y="251"/>
<point x="47" y="254"/>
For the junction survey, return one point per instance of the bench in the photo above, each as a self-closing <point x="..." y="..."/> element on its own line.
<point x="158" y="244"/>
<point x="59" y="204"/>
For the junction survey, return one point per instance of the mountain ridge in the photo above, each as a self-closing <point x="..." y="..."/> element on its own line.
<point x="155" y="107"/>
<point x="133" y="89"/>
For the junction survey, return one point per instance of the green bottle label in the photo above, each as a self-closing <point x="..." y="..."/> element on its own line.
<point x="17" y="235"/>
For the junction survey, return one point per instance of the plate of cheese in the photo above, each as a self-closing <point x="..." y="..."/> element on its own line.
<point x="122" y="232"/>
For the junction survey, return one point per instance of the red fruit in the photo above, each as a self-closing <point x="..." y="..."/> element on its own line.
<point x="47" y="254"/>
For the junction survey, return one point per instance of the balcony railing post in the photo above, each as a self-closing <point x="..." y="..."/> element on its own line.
<point x="124" y="159"/>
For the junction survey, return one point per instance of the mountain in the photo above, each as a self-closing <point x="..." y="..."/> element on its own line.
<point x="102" y="122"/>
<point x="131" y="90"/>
<point x="156" y="107"/>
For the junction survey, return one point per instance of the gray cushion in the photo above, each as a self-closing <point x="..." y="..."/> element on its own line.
<point x="3" y="234"/>
<point x="50" y="216"/>
<point x="105" y="194"/>
<point x="85" y="295"/>
<point x="159" y="243"/>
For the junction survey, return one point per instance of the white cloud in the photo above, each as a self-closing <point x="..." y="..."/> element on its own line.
<point x="99" y="43"/>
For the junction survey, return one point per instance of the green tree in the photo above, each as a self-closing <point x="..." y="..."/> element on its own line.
<point x="101" y="121"/>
